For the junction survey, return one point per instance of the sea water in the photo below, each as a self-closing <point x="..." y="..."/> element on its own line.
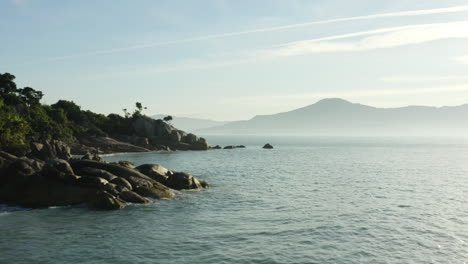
<point x="308" y="200"/>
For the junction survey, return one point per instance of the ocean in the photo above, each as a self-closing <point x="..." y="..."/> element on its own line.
<point x="308" y="200"/>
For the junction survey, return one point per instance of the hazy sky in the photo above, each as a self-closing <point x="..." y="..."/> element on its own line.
<point x="230" y="60"/>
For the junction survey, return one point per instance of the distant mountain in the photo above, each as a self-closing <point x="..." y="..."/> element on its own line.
<point x="337" y="117"/>
<point x="190" y="124"/>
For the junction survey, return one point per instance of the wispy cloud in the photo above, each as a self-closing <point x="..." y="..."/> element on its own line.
<point x="377" y="39"/>
<point x="381" y="38"/>
<point x="454" y="9"/>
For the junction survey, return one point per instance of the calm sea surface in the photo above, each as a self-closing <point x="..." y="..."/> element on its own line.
<point x="309" y="200"/>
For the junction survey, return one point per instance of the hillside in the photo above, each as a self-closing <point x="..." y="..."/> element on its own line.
<point x="338" y="117"/>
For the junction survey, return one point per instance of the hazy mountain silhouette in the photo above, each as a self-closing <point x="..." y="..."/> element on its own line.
<point x="338" y="117"/>
<point x="190" y="124"/>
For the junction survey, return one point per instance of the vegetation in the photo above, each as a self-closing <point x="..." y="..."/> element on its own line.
<point x="23" y="119"/>
<point x="167" y="118"/>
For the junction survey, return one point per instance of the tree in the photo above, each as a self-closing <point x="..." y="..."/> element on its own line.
<point x="167" y="118"/>
<point x="30" y="96"/>
<point x="139" y="109"/>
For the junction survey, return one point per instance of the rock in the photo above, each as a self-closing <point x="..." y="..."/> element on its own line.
<point x="126" y="164"/>
<point x="87" y="171"/>
<point x="40" y="191"/>
<point x="96" y="157"/>
<point x="217" y="147"/>
<point x="18" y="172"/>
<point x="268" y="146"/>
<point x="182" y="180"/>
<point x="92" y="182"/>
<point x="204" y="184"/>
<point x="148" y="127"/>
<point x="234" y="147"/>
<point x="176" y="136"/>
<point x="7" y="156"/>
<point x="87" y="156"/>
<point x="134" y="177"/>
<point x="132" y="197"/>
<point x="154" y="171"/>
<point x="106" y="201"/>
<point x="59" y="165"/>
<point x="152" y="192"/>
<point x="122" y="182"/>
<point x="109" y="145"/>
<point x="190" y="138"/>
<point x="34" y="163"/>
<point x="50" y="149"/>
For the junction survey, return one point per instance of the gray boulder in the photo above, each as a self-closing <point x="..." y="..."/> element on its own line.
<point x="155" y="172"/>
<point x="132" y="197"/>
<point x="122" y="182"/>
<point x="87" y="171"/>
<point x="92" y="182"/>
<point x="50" y="149"/>
<point x="182" y="180"/>
<point x="134" y="177"/>
<point x="107" y="201"/>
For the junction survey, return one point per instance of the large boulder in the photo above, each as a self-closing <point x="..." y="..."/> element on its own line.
<point x="18" y="172"/>
<point x="50" y="149"/>
<point x="87" y="171"/>
<point x="132" y="197"/>
<point x="107" y="201"/>
<point x="176" y="136"/>
<point x="59" y="170"/>
<point x="92" y="182"/>
<point x="182" y="180"/>
<point x="147" y="127"/>
<point x="39" y="191"/>
<point x="155" y="172"/>
<point x="134" y="177"/>
<point x="122" y="182"/>
<point x="190" y="138"/>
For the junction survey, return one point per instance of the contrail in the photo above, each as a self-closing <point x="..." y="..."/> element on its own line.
<point x="454" y="9"/>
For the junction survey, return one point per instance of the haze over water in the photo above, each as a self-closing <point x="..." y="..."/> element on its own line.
<point x="309" y="200"/>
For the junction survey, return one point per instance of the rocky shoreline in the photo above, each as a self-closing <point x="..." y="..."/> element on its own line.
<point x="48" y="176"/>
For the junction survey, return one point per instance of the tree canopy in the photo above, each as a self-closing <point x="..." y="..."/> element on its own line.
<point x="23" y="119"/>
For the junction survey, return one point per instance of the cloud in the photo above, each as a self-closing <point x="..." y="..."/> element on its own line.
<point x="454" y="9"/>
<point x="379" y="39"/>
<point x="374" y="39"/>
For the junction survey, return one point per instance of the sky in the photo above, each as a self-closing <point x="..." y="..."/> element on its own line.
<point x="234" y="59"/>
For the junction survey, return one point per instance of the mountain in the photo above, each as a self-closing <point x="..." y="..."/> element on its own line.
<point x="191" y="124"/>
<point x="338" y="117"/>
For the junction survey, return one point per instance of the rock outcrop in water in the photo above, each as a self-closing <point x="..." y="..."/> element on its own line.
<point x="267" y="146"/>
<point x="39" y="183"/>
